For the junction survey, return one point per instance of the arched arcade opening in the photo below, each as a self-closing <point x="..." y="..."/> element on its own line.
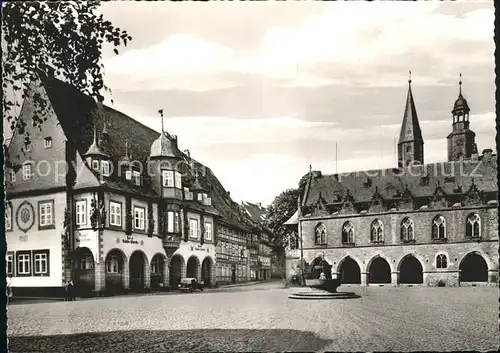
<point x="193" y="267"/>
<point x="349" y="271"/>
<point x="176" y="265"/>
<point x="137" y="269"/>
<point x="473" y="268"/>
<point x="158" y="270"/>
<point x="411" y="271"/>
<point x="83" y="273"/>
<point x="379" y="271"/>
<point x="115" y="261"/>
<point x="207" y="267"/>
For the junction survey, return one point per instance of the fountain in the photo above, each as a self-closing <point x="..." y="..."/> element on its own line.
<point x="321" y="285"/>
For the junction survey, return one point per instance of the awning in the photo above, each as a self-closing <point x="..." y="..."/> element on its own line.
<point x="294" y="220"/>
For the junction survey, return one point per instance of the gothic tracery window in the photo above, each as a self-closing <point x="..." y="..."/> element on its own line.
<point x="407" y="230"/>
<point x="377" y="231"/>
<point x="441" y="261"/>
<point x="439" y="228"/>
<point x="473" y="226"/>
<point x="347" y="233"/>
<point x="320" y="234"/>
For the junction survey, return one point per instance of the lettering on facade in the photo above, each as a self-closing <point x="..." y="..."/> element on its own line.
<point x="130" y="240"/>
<point x="199" y="248"/>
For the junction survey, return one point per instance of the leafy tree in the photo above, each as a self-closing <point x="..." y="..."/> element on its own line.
<point x="282" y="208"/>
<point x="65" y="36"/>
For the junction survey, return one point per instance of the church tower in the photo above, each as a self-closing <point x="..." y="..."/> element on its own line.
<point x="461" y="141"/>
<point x="411" y="143"/>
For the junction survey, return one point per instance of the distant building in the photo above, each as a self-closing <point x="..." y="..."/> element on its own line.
<point x="261" y="250"/>
<point x="100" y="198"/>
<point x="432" y="224"/>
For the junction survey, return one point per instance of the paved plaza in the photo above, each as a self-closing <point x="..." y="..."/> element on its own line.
<point x="262" y="318"/>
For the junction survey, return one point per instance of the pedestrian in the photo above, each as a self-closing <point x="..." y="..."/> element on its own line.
<point x="9" y="286"/>
<point x="66" y="290"/>
<point x="71" y="290"/>
<point x="322" y="276"/>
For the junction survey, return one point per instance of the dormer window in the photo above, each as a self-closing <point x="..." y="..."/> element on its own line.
<point x="200" y="197"/>
<point x="95" y="164"/>
<point x="47" y="142"/>
<point x="167" y="178"/>
<point x="105" y="170"/>
<point x="136" y="177"/>
<point x="128" y="174"/>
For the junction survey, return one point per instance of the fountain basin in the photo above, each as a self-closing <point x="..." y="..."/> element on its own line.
<point x="323" y="289"/>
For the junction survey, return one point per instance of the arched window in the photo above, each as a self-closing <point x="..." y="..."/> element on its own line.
<point x="438" y="228"/>
<point x="377" y="231"/>
<point x="441" y="261"/>
<point x="320" y="234"/>
<point x="473" y="226"/>
<point x="407" y="230"/>
<point x="347" y="233"/>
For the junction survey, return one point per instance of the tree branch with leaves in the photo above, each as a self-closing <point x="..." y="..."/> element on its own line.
<point x="60" y="36"/>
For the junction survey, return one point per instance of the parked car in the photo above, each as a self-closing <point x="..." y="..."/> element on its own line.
<point x="190" y="285"/>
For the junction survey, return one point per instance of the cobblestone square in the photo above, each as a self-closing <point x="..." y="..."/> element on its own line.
<point x="262" y="318"/>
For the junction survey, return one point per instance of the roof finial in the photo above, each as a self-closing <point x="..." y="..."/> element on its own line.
<point x="161" y="115"/>
<point x="310" y="168"/>
<point x="126" y="147"/>
<point x="409" y="76"/>
<point x="460" y="84"/>
<point x="95" y="135"/>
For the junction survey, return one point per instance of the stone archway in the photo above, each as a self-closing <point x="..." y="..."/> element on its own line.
<point x="158" y="270"/>
<point x="137" y="270"/>
<point x="349" y="271"/>
<point x="207" y="268"/>
<point x="193" y="267"/>
<point x="410" y="270"/>
<point x="83" y="273"/>
<point x="473" y="268"/>
<point x="379" y="271"/>
<point x="176" y="268"/>
<point x="116" y="271"/>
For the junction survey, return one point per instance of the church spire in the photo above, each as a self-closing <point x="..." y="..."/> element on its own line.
<point x="410" y="145"/>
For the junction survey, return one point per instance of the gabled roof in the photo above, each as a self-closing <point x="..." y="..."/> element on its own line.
<point x="454" y="178"/>
<point x="410" y="128"/>
<point x="256" y="212"/>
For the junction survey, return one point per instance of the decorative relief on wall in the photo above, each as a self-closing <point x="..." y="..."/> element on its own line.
<point x="25" y="216"/>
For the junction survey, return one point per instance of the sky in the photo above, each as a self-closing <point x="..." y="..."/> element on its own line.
<point x="258" y="91"/>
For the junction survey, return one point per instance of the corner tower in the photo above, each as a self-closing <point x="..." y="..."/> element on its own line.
<point x="461" y="141"/>
<point x="411" y="143"/>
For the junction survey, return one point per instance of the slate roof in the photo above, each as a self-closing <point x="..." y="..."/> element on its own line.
<point x="454" y="178"/>
<point x="410" y="128"/>
<point x="256" y="212"/>
<point x="78" y="114"/>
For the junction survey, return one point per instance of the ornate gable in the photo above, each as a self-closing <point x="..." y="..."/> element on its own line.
<point x="439" y="199"/>
<point x="348" y="204"/>
<point x="320" y="209"/>
<point x="406" y="200"/>
<point x="473" y="196"/>
<point x="377" y="202"/>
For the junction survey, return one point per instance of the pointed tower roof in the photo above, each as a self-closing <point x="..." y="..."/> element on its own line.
<point x="126" y="157"/>
<point x="196" y="186"/>
<point x="94" y="149"/>
<point x="410" y="128"/>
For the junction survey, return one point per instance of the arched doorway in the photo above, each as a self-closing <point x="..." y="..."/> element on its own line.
<point x="349" y="271"/>
<point x="410" y="271"/>
<point x="473" y="268"/>
<point x="115" y="261"/>
<point x="157" y="270"/>
<point x="137" y="264"/>
<point x="206" y="271"/>
<point x="192" y="270"/>
<point x="380" y="271"/>
<point x="83" y="273"/>
<point x="176" y="264"/>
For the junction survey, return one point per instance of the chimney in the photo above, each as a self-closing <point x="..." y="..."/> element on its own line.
<point x="487" y="154"/>
<point x="228" y="194"/>
<point x="260" y="204"/>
